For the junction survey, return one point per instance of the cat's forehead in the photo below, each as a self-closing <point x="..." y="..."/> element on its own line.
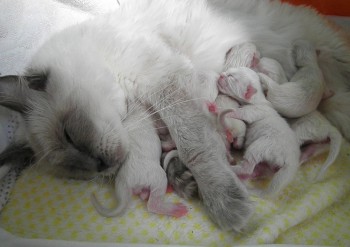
<point x="243" y="76"/>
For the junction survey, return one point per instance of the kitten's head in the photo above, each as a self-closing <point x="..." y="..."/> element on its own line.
<point x="73" y="119"/>
<point x="242" y="84"/>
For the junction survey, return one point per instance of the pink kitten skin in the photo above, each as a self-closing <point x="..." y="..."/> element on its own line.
<point x="222" y="129"/>
<point x="268" y="138"/>
<point x="142" y="173"/>
<point x="243" y="55"/>
<point x="315" y="128"/>
<point x="234" y="128"/>
<point x="304" y="92"/>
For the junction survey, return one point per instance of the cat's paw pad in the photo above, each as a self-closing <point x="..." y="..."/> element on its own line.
<point x="179" y="210"/>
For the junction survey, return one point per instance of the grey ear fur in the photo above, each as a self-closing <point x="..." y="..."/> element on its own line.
<point x="15" y="90"/>
<point x="37" y="82"/>
<point x="13" y="93"/>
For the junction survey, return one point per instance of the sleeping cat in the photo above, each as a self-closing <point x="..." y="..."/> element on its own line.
<point x="165" y="53"/>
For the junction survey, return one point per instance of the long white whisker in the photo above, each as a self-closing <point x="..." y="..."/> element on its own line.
<point x="162" y="109"/>
<point x="138" y="100"/>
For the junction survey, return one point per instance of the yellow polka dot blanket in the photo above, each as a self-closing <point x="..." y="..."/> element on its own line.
<point x="307" y="212"/>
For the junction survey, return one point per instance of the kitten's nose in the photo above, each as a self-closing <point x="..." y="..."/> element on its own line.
<point x="101" y="165"/>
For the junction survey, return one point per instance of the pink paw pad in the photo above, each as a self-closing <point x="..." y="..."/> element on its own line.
<point x="169" y="189"/>
<point x="144" y="195"/>
<point x="212" y="107"/>
<point x="179" y="210"/>
<point x="229" y="136"/>
<point x="243" y="176"/>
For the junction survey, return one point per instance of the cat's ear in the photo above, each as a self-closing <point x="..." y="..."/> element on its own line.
<point x="250" y="92"/>
<point x="14" y="93"/>
<point x="37" y="81"/>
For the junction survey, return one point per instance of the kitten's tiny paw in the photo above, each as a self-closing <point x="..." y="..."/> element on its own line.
<point x="179" y="210"/>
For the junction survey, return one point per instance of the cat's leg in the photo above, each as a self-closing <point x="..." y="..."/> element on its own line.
<point x="266" y="82"/>
<point x="200" y="147"/>
<point x="249" y="113"/>
<point x="157" y="205"/>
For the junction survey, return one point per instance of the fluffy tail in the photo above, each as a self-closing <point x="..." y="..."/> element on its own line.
<point x="334" y="149"/>
<point x="123" y="195"/>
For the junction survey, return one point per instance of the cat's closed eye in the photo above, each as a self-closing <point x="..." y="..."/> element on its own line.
<point x="67" y="136"/>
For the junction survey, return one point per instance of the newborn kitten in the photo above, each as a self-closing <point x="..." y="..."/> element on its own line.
<point x="273" y="69"/>
<point x="268" y="138"/>
<point x="142" y="174"/>
<point x="305" y="91"/>
<point x="315" y="128"/>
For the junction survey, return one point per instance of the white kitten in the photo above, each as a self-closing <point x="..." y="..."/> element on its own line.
<point x="142" y="173"/>
<point x="268" y="138"/>
<point x="304" y="92"/>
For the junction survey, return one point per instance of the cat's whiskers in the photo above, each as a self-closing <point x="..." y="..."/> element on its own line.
<point x="151" y="114"/>
<point x="162" y="109"/>
<point x="36" y="165"/>
<point x="139" y="100"/>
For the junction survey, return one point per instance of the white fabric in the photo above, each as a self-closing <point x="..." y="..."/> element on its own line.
<point x="25" y="24"/>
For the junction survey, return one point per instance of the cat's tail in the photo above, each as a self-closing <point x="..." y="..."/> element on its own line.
<point x="334" y="148"/>
<point x="123" y="195"/>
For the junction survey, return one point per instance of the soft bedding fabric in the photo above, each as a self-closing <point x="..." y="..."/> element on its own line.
<point x="51" y="208"/>
<point x="306" y="213"/>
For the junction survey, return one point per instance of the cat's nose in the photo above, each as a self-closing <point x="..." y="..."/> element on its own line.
<point x="101" y="165"/>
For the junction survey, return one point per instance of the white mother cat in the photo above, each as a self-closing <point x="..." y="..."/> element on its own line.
<point x="174" y="50"/>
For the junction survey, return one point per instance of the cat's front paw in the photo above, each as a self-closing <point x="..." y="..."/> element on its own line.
<point x="226" y="201"/>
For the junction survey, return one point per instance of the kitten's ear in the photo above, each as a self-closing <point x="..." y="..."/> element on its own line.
<point x="13" y="93"/>
<point x="250" y="92"/>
